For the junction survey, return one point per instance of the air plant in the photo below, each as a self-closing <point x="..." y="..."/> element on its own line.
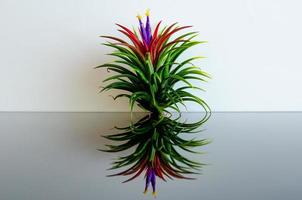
<point x="148" y="72"/>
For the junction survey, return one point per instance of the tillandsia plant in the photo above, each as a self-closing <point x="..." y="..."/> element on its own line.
<point x="148" y="70"/>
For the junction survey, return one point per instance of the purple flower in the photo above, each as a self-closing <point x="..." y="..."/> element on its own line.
<point x="145" y="31"/>
<point x="142" y="29"/>
<point x="148" y="28"/>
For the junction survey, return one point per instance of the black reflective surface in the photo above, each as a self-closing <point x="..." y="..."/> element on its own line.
<point x="54" y="156"/>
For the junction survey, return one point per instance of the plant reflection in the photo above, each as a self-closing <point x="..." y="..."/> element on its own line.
<point x="157" y="142"/>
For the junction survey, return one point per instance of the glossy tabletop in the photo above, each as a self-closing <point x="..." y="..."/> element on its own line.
<point x="54" y="156"/>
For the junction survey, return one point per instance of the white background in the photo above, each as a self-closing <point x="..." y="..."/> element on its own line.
<point x="48" y="50"/>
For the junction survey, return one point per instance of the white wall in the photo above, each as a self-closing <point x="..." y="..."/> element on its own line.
<point x="48" y="49"/>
